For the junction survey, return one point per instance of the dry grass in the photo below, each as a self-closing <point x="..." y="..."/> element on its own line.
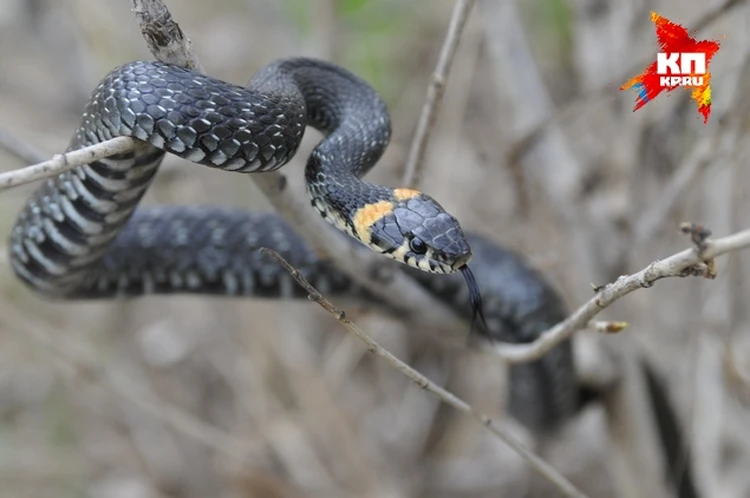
<point x="230" y="398"/>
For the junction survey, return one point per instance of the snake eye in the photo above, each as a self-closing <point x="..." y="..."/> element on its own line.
<point x="417" y="246"/>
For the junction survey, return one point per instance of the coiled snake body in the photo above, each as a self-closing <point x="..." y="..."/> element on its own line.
<point x="81" y="236"/>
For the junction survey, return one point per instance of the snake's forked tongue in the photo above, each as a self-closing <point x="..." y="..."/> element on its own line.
<point x="475" y="297"/>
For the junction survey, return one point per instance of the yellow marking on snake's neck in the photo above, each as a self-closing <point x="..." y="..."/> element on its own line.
<point x="367" y="215"/>
<point x="404" y="194"/>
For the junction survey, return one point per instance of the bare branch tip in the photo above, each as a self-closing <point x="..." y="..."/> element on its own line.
<point x="434" y="98"/>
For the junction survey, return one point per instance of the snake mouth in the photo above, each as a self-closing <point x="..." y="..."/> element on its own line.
<point x="458" y="264"/>
<point x="475" y="298"/>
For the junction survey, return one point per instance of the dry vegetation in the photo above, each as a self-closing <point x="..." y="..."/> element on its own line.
<point x="535" y="147"/>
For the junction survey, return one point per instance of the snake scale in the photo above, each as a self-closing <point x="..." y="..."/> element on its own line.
<point x="82" y="235"/>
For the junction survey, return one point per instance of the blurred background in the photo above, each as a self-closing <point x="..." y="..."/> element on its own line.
<point x="535" y="147"/>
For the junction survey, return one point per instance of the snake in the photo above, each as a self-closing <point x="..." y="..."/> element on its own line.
<point x="84" y="235"/>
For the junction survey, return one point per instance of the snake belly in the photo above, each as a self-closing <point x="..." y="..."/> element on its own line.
<point x="82" y="236"/>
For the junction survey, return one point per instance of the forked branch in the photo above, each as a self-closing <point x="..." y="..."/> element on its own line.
<point x="696" y="261"/>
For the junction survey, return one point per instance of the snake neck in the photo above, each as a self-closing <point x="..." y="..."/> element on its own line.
<point x="350" y="114"/>
<point x="339" y="202"/>
<point x="356" y="127"/>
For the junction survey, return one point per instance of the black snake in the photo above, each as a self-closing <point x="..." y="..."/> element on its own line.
<point x="80" y="235"/>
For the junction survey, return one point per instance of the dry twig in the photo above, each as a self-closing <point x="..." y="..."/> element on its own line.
<point x="65" y="162"/>
<point x="538" y="464"/>
<point x="164" y="37"/>
<point x="697" y="261"/>
<point x="435" y="90"/>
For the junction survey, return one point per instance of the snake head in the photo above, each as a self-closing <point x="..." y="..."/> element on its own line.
<point x="414" y="229"/>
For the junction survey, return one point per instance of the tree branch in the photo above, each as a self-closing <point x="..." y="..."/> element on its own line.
<point x="435" y="90"/>
<point x="697" y="261"/>
<point x="65" y="162"/>
<point x="164" y="37"/>
<point x="537" y="463"/>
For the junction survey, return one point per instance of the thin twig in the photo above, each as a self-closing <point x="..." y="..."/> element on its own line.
<point x="65" y="162"/>
<point x="697" y="261"/>
<point x="435" y="91"/>
<point x="537" y="463"/>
